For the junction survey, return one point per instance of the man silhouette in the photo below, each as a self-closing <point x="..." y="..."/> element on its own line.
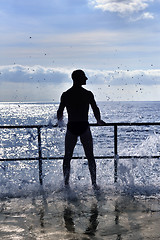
<point x="77" y="101"/>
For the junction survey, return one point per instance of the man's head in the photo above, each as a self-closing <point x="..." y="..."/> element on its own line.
<point x="79" y="77"/>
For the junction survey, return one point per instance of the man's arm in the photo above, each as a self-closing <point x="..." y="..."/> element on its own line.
<point x="61" y="109"/>
<point x="96" y="111"/>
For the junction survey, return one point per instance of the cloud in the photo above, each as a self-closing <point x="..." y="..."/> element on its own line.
<point x="126" y="77"/>
<point x="124" y="7"/>
<point x="56" y="76"/>
<point x="145" y="15"/>
<point x="20" y="73"/>
<point x="37" y="83"/>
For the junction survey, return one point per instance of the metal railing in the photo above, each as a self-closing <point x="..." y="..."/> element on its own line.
<point x="115" y="156"/>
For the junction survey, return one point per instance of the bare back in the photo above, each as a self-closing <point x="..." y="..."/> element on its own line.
<point x="77" y="100"/>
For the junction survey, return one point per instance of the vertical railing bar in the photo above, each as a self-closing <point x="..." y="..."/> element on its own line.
<point x="40" y="155"/>
<point x="115" y="153"/>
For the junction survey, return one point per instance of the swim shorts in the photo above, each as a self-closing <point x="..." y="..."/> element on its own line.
<point x="77" y="128"/>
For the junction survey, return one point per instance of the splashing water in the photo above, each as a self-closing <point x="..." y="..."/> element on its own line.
<point x="139" y="176"/>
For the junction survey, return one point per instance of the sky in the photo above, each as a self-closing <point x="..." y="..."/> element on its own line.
<point x="116" y="43"/>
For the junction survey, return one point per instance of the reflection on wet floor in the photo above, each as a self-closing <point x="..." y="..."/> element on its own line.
<point x="73" y="214"/>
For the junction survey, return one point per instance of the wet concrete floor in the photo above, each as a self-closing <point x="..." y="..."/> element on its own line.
<point x="75" y="215"/>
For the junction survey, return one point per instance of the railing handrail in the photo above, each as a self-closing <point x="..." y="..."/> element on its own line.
<point x="91" y="124"/>
<point x="116" y="156"/>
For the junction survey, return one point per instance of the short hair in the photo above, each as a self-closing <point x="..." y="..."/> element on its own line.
<point x="77" y="74"/>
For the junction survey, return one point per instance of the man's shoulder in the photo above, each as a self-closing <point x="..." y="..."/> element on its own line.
<point x="89" y="94"/>
<point x="67" y="92"/>
<point x="87" y="91"/>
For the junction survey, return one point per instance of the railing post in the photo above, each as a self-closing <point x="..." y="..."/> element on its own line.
<point x="40" y="155"/>
<point x="115" y="153"/>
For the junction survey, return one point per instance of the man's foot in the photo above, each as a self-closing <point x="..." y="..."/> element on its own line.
<point x="95" y="187"/>
<point x="67" y="186"/>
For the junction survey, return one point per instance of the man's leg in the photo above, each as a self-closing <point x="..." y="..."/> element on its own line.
<point x="70" y="142"/>
<point x="87" y="141"/>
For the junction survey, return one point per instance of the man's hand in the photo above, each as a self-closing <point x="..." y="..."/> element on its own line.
<point x="101" y="122"/>
<point x="61" y="123"/>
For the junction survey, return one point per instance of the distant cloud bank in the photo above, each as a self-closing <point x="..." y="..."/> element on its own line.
<point x="19" y="73"/>
<point x="40" y="74"/>
<point x="37" y="83"/>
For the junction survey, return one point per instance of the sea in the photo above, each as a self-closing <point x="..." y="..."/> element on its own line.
<point x="126" y="209"/>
